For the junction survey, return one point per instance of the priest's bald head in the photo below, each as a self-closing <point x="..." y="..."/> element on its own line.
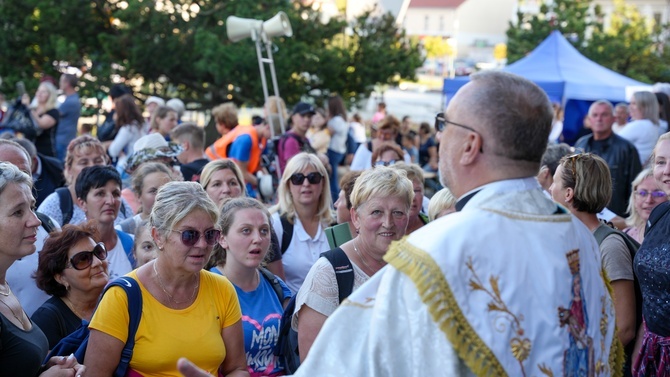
<point x="496" y="128"/>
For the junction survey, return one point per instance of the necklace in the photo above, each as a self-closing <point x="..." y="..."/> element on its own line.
<point x="160" y="282"/>
<point x="8" y="290"/>
<point x="70" y="305"/>
<point x="360" y="256"/>
<point x="14" y="314"/>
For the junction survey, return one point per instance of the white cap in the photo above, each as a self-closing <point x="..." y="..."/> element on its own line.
<point x="153" y="99"/>
<point x="177" y="105"/>
<point x="151" y="141"/>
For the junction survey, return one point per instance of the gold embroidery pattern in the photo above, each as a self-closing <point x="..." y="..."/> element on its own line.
<point x="434" y="290"/>
<point x="520" y="345"/>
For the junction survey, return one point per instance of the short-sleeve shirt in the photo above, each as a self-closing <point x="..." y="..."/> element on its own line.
<point x="164" y="335"/>
<point x="320" y="291"/>
<point x="56" y="320"/>
<point x="240" y="149"/>
<point x="616" y="258"/>
<point x="261" y="314"/>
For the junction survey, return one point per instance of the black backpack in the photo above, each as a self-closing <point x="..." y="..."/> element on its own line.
<point x="287" y="344"/>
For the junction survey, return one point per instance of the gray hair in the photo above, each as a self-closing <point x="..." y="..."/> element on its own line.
<point x="9" y="173"/>
<point x="601" y="102"/>
<point x="382" y="182"/>
<point x="648" y="105"/>
<point x="553" y="155"/>
<point x="176" y="200"/>
<point x="516" y="113"/>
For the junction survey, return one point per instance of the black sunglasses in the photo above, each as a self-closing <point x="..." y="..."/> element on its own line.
<point x="313" y="178"/>
<point x="84" y="259"/>
<point x="191" y="237"/>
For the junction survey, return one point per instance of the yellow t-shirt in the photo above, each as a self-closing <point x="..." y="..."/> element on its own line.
<point x="164" y="335"/>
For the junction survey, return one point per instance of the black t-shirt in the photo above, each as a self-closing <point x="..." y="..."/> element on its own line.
<point x="46" y="142"/>
<point x="56" y="320"/>
<point x="192" y="170"/>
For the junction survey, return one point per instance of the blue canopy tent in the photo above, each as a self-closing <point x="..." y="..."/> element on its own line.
<point x="568" y="78"/>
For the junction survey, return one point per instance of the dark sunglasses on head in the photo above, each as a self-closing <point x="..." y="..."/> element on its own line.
<point x="313" y="178"/>
<point x="191" y="237"/>
<point x="385" y="163"/>
<point x="84" y="259"/>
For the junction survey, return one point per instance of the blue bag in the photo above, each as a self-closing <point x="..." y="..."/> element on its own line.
<point x="76" y="342"/>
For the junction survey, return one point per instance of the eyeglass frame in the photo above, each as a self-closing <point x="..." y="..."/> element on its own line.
<point x="91" y="253"/>
<point x="197" y="236"/>
<point x="648" y="193"/>
<point x="441" y="123"/>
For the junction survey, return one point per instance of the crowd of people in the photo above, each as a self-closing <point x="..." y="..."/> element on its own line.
<point x="515" y="267"/>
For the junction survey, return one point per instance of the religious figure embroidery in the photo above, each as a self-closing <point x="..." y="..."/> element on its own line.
<point x="578" y="359"/>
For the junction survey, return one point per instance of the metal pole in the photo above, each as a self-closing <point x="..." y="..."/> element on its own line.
<point x="273" y="75"/>
<point x="256" y="38"/>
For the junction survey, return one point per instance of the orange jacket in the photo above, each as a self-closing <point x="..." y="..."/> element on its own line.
<point x="219" y="149"/>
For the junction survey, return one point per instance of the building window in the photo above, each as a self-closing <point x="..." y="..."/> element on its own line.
<point x="657" y="19"/>
<point x="441" y="23"/>
<point x="426" y="24"/>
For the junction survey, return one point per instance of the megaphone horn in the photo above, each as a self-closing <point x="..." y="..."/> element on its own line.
<point x="279" y="25"/>
<point x="240" y="28"/>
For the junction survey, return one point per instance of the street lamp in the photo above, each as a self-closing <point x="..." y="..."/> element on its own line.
<point x="261" y="33"/>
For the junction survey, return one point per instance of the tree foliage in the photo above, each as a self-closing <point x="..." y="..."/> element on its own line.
<point x="179" y="48"/>
<point x="628" y="43"/>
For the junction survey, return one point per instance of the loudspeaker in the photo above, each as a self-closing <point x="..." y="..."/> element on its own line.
<point x="279" y="25"/>
<point x="240" y="28"/>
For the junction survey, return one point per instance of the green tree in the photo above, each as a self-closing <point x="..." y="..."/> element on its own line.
<point x="629" y="44"/>
<point x="180" y="48"/>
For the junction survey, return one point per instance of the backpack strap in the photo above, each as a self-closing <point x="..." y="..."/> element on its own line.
<point x="66" y="204"/>
<point x="287" y="233"/>
<point x="132" y="289"/>
<point x="47" y="223"/>
<point x="344" y="271"/>
<point x="274" y="281"/>
<point x="123" y="208"/>
<point x="127" y="243"/>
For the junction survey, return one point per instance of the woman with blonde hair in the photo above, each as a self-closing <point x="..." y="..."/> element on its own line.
<point x="222" y="179"/>
<point x="381" y="201"/>
<point x="644" y="129"/>
<point x="646" y="195"/>
<point x="163" y="121"/>
<point x="45" y="116"/>
<point x="302" y="214"/>
<point x="441" y="204"/>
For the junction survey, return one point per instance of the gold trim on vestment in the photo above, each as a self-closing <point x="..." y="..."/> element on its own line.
<point x="434" y="290"/>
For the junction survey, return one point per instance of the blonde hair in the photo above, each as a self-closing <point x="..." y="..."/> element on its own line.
<point x="226" y="114"/>
<point x="53" y="94"/>
<point x="382" y="182"/>
<point x="216" y="165"/>
<point x="589" y="176"/>
<point x="286" y="206"/>
<point x="634" y="218"/>
<point x="413" y="171"/>
<point x="648" y="105"/>
<point x="441" y="201"/>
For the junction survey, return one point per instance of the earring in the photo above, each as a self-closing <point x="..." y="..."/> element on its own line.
<point x="357" y="231"/>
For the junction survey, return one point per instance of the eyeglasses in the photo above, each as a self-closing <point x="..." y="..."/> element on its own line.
<point x="656" y="194"/>
<point x="441" y="124"/>
<point x="191" y="237"/>
<point x="385" y="163"/>
<point x="313" y="178"/>
<point x="84" y="259"/>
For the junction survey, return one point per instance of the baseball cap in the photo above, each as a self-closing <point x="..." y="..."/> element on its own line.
<point x="303" y="108"/>
<point x="157" y="100"/>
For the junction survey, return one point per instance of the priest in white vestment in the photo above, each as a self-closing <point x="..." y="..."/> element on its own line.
<point x="511" y="285"/>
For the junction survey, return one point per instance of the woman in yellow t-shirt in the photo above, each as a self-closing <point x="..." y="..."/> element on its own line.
<point x="187" y="312"/>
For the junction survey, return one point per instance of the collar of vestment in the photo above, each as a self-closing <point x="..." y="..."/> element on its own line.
<point x="517" y="288"/>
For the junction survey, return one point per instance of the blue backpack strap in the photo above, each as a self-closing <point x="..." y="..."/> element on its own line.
<point x="132" y="288"/>
<point x="127" y="242"/>
<point x="274" y="281"/>
<point x="344" y="271"/>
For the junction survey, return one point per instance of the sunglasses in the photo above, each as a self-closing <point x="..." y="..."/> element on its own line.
<point x="657" y="194"/>
<point x="84" y="259"/>
<point x="385" y="163"/>
<point x="191" y="237"/>
<point x="313" y="178"/>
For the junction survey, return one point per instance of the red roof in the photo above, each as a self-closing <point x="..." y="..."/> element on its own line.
<point x="435" y="3"/>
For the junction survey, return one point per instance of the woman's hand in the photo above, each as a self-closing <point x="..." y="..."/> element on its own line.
<point x="61" y="366"/>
